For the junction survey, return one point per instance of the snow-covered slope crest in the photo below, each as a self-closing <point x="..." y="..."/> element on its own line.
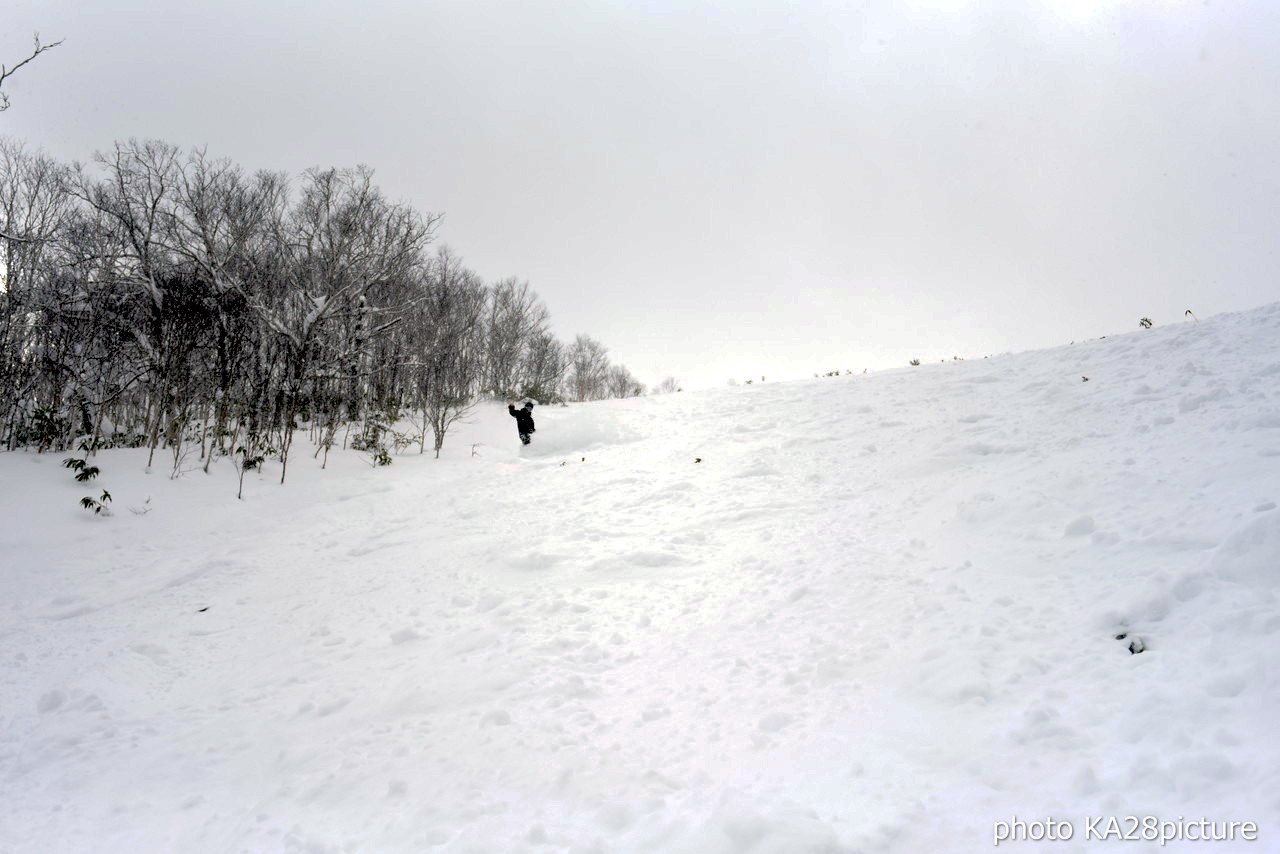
<point x="882" y="613"/>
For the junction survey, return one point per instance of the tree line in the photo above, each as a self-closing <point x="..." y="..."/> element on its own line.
<point x="174" y="301"/>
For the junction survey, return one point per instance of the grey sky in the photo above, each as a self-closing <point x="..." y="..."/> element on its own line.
<point x="740" y="188"/>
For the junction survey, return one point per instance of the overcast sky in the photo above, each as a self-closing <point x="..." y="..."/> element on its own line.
<point x="725" y="189"/>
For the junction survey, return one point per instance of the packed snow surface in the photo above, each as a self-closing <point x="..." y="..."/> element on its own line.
<point x="879" y="615"/>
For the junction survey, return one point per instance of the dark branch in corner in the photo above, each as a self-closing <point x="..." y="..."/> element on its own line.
<point x="7" y="72"/>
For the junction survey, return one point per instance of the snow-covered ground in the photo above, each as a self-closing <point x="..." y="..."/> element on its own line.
<point x="879" y="615"/>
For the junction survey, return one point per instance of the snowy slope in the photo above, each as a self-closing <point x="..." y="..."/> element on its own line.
<point x="879" y="615"/>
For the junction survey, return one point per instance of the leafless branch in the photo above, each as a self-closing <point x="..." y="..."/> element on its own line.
<point x="4" y="235"/>
<point x="6" y="72"/>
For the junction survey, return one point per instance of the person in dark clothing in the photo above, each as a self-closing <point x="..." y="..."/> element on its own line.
<point x="524" y="420"/>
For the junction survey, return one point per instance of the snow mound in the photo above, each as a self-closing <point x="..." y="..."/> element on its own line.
<point x="577" y="428"/>
<point x="1252" y="554"/>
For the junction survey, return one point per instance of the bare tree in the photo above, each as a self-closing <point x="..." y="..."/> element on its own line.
<point x="588" y="369"/>
<point x="515" y="317"/>
<point x="452" y="328"/>
<point x="135" y="206"/>
<point x="667" y="386"/>
<point x="223" y="231"/>
<point x="620" y="383"/>
<point x="33" y="201"/>
<point x="546" y="362"/>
